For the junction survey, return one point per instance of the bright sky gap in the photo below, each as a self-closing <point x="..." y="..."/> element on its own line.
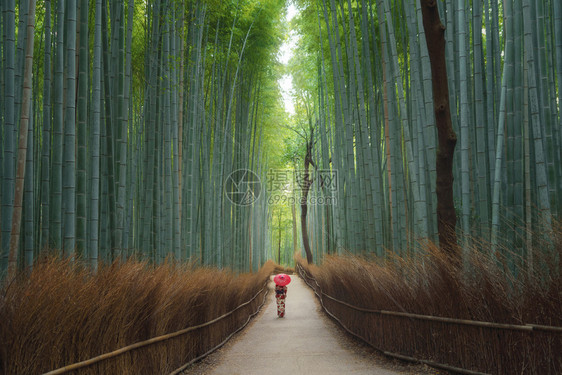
<point x="285" y="54"/>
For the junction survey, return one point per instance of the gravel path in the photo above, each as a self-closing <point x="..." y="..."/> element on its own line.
<point x="304" y="342"/>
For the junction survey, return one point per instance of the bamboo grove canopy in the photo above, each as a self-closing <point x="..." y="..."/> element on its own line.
<point x="139" y="111"/>
<point x="364" y="80"/>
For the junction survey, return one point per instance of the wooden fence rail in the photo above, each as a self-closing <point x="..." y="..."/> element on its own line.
<point x="525" y="329"/>
<point x="162" y="338"/>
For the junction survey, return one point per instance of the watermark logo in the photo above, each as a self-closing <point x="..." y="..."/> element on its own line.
<point x="288" y="186"/>
<point x="327" y="179"/>
<point x="243" y="187"/>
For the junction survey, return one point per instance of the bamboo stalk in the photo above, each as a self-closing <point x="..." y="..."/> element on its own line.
<point x="22" y="146"/>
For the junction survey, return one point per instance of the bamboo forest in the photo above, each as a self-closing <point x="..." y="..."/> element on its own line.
<point x="329" y="138"/>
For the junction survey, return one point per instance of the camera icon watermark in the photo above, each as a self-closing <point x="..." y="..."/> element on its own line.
<point x="242" y="187"/>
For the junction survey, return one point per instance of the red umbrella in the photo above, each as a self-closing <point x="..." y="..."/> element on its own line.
<point x="282" y="279"/>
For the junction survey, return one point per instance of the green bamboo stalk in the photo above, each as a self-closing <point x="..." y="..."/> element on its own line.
<point x="407" y="138"/>
<point x="95" y="143"/>
<point x="147" y="237"/>
<point x="393" y="141"/>
<point x="20" y="55"/>
<point x="540" y="157"/>
<point x="366" y="165"/>
<point x="527" y="167"/>
<point x="464" y="124"/>
<point x="9" y="130"/>
<point x="355" y="184"/>
<point x="82" y="131"/>
<point x="197" y="126"/>
<point x="558" y="46"/>
<point x="105" y="222"/>
<point x="373" y="135"/>
<point x="108" y="139"/>
<point x="495" y="83"/>
<point x="337" y="157"/>
<point x="167" y="139"/>
<point x="453" y="77"/>
<point x="44" y="241"/>
<point x="176" y="97"/>
<point x="129" y="124"/>
<point x="122" y="131"/>
<point x="508" y="172"/>
<point x="69" y="153"/>
<point x="540" y="39"/>
<point x="429" y="129"/>
<point x="490" y="103"/>
<point x="499" y="159"/>
<point x="3" y="34"/>
<point x="22" y="146"/>
<point x="58" y="126"/>
<point x="516" y="183"/>
<point x="418" y="121"/>
<point x="483" y="197"/>
<point x="345" y="138"/>
<point x="558" y="41"/>
<point x="29" y="198"/>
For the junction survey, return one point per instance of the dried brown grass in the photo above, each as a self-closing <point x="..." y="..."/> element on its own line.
<point x="429" y="284"/>
<point x="61" y="314"/>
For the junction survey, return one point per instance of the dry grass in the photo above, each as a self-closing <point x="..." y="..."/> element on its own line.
<point x="62" y="313"/>
<point x="429" y="284"/>
<point x="280" y="269"/>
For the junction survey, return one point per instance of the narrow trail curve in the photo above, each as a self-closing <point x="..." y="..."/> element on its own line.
<point x="304" y="342"/>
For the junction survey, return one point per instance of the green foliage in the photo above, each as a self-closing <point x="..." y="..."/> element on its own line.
<point x="203" y="98"/>
<point x="196" y="98"/>
<point x="361" y="70"/>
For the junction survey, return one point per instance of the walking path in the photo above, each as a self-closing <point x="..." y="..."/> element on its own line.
<point x="304" y="342"/>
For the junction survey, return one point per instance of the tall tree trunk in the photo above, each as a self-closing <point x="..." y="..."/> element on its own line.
<point x="446" y="216"/>
<point x="306" y="183"/>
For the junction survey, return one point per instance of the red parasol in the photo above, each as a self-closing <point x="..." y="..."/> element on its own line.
<point x="282" y="279"/>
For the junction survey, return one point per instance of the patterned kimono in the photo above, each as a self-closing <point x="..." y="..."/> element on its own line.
<point x="280" y="295"/>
